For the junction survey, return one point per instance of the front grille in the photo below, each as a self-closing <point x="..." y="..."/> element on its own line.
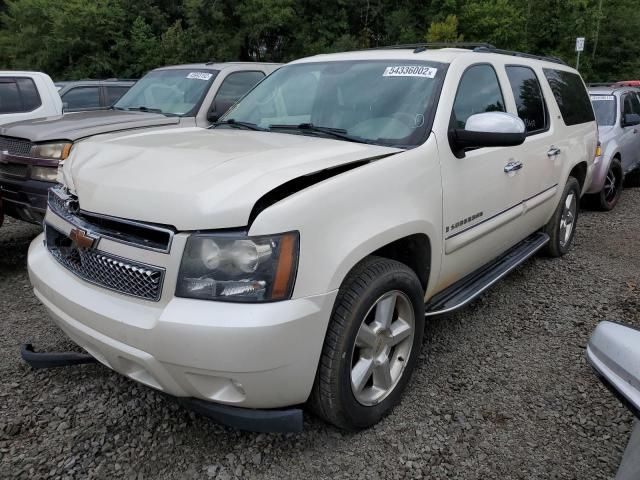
<point x="143" y="235"/>
<point x="15" y="146"/>
<point x="109" y="271"/>
<point x="13" y="169"/>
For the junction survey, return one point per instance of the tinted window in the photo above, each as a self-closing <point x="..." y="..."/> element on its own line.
<point x="604" y="107"/>
<point x="9" y="97"/>
<point x="529" y="100"/>
<point x="479" y="92"/>
<point x="82" y="97"/>
<point x="18" y="95"/>
<point x="234" y="87"/>
<point x="571" y="96"/>
<point x="630" y="104"/>
<point x="114" y="93"/>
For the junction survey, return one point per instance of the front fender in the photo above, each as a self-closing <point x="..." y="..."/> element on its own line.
<point x="601" y="166"/>
<point x="343" y="219"/>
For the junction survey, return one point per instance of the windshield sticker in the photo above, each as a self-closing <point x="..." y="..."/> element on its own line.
<point x="600" y="98"/>
<point x="200" y="75"/>
<point x="410" y="71"/>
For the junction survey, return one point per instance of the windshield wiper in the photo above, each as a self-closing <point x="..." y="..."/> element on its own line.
<point x="340" y="133"/>
<point x="142" y="108"/>
<point x="234" y="123"/>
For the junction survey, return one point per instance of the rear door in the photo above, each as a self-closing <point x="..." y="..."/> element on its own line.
<point x="630" y="140"/>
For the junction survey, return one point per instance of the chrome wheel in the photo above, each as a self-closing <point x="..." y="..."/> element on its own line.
<point x="610" y="188"/>
<point x="567" y="220"/>
<point x="382" y="349"/>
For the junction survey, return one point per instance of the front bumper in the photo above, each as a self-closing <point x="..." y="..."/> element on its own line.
<point x="257" y="356"/>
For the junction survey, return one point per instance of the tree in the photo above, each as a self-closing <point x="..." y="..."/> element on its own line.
<point x="445" y="31"/>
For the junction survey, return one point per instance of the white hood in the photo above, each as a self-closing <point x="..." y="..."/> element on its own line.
<point x="194" y="178"/>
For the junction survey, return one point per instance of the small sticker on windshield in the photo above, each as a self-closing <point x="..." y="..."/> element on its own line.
<point x="601" y="98"/>
<point x="200" y="75"/>
<point x="410" y="71"/>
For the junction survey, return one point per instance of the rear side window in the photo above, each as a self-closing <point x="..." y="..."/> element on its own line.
<point x="18" y="95"/>
<point x="630" y="104"/>
<point x="82" y="97"/>
<point x="113" y="94"/>
<point x="529" y="100"/>
<point x="478" y="92"/>
<point x="571" y="96"/>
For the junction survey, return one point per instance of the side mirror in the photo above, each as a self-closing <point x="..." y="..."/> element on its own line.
<point x="489" y="129"/>
<point x="614" y="355"/>
<point x="630" y="120"/>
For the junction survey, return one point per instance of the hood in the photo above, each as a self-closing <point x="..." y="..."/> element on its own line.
<point x="195" y="179"/>
<point x="77" y="125"/>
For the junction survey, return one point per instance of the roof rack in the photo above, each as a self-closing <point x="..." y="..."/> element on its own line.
<point x="421" y="47"/>
<point x="518" y="54"/>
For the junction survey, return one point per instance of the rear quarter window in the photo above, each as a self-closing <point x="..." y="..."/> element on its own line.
<point x="571" y="96"/>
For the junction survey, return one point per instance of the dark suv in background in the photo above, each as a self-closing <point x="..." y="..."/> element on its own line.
<point x="91" y="94"/>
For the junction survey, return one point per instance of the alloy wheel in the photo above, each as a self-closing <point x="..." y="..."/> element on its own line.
<point x="567" y="220"/>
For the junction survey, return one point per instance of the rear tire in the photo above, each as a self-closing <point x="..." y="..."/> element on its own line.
<point x="562" y="226"/>
<point x="372" y="344"/>
<point x="608" y="197"/>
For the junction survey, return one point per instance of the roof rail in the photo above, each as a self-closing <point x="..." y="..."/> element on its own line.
<point x="518" y="54"/>
<point x="421" y="47"/>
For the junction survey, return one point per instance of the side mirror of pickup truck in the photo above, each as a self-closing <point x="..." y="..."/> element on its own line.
<point x="630" y="120"/>
<point x="489" y="129"/>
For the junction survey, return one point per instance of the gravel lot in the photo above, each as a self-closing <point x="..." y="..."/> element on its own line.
<point x="502" y="390"/>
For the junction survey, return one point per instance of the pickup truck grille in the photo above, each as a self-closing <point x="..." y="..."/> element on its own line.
<point x="15" y="146"/>
<point x="13" y="169"/>
<point x="105" y="270"/>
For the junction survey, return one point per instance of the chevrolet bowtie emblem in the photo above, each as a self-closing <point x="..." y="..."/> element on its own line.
<point x="82" y="239"/>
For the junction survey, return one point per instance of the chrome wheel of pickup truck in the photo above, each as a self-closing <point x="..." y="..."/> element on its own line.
<point x="383" y="344"/>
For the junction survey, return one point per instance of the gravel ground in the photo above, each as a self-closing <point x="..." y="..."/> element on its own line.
<point x="502" y="389"/>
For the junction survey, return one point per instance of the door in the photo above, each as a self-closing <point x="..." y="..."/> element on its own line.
<point x="630" y="140"/>
<point x="482" y="199"/>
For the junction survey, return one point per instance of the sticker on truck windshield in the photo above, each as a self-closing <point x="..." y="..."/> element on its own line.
<point x="200" y="75"/>
<point x="600" y="98"/>
<point x="410" y="71"/>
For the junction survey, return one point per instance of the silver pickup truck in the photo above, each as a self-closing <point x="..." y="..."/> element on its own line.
<point x="176" y="96"/>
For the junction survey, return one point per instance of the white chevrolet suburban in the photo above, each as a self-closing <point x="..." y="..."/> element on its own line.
<point x="290" y="254"/>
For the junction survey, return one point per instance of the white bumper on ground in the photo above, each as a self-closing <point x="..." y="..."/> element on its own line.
<point x="254" y="356"/>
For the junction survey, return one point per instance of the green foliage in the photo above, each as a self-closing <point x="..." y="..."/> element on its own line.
<point x="445" y="31"/>
<point x="72" y="39"/>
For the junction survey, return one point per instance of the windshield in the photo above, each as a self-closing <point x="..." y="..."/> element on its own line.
<point x="172" y="91"/>
<point x="605" y="108"/>
<point x="381" y="102"/>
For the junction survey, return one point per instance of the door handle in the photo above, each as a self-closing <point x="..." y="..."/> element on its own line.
<point x="553" y="152"/>
<point x="512" y="167"/>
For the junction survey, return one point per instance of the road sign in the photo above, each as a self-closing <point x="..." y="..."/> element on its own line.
<point x="580" y="44"/>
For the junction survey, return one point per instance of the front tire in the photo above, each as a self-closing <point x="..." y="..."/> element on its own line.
<point x="562" y="226"/>
<point x="372" y="344"/>
<point x="608" y="197"/>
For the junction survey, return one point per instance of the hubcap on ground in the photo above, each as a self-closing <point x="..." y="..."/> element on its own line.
<point x="568" y="219"/>
<point x="382" y="349"/>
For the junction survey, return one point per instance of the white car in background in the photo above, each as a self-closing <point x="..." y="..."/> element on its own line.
<point x="290" y="254"/>
<point x="27" y="95"/>
<point x="617" y="111"/>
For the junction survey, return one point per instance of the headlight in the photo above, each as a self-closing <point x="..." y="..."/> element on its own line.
<point x="238" y="268"/>
<point x="56" y="151"/>
<point x="46" y="174"/>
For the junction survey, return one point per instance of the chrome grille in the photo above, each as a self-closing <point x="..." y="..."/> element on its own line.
<point x="13" y="169"/>
<point x="15" y="146"/>
<point x="103" y="269"/>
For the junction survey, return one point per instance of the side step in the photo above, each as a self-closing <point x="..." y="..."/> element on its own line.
<point x="469" y="287"/>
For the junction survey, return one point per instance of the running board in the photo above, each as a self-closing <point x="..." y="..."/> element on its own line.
<point x="465" y="290"/>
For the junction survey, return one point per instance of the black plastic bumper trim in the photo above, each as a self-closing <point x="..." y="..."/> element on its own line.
<point x="267" y="421"/>
<point x="55" y="359"/>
